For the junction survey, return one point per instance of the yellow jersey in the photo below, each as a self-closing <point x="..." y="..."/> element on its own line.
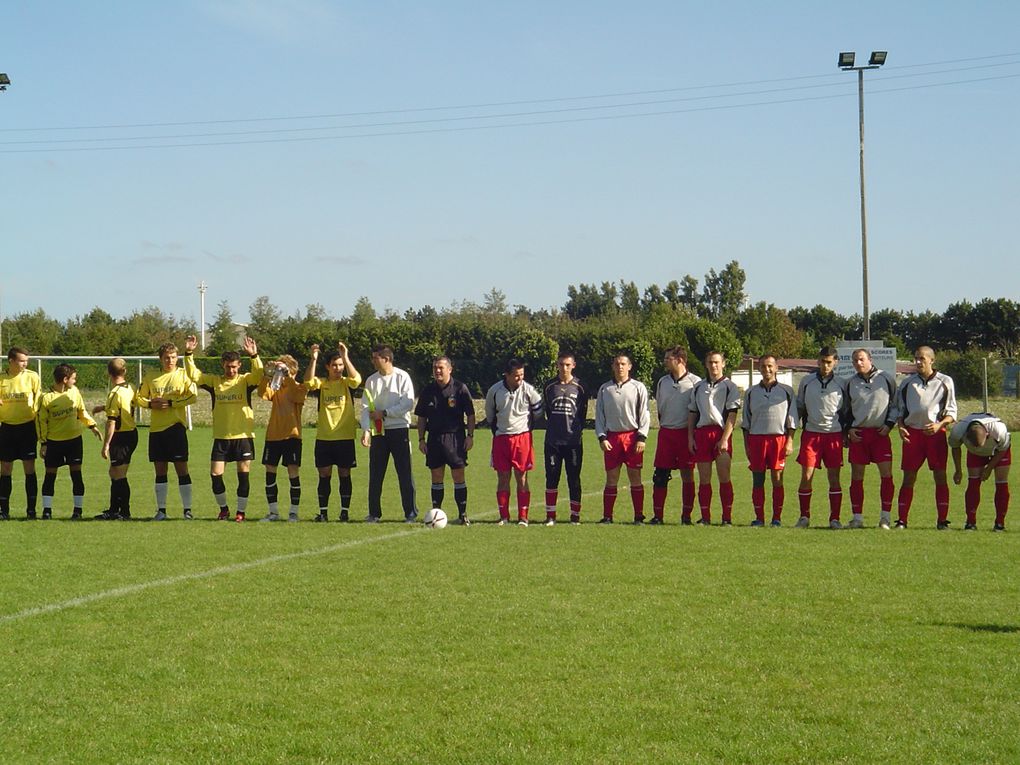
<point x="233" y="416"/>
<point x="285" y="417"/>
<point x="176" y="388"/>
<point x="337" y="421"/>
<point x="61" y="415"/>
<point x="118" y="407"/>
<point x="19" y="397"/>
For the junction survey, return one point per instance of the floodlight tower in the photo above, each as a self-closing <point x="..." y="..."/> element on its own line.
<point x="202" y="287"/>
<point x="846" y="63"/>
<point x="4" y="81"/>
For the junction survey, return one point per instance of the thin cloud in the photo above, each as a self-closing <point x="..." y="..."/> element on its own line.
<point x="161" y="260"/>
<point x="292" y="22"/>
<point x="340" y="260"/>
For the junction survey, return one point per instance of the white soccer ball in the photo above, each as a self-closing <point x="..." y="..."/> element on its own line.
<point x="435" y="519"/>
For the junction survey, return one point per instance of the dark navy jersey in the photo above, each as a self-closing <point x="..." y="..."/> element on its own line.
<point x="566" y="410"/>
<point x="444" y="409"/>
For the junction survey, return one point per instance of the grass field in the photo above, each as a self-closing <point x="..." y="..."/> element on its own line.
<point x="218" y="642"/>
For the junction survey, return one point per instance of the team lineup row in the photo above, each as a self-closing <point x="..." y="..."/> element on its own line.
<point x="697" y="420"/>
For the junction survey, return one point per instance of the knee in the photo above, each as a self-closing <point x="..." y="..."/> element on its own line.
<point x="218" y="486"/>
<point x="758" y="479"/>
<point x="661" y="478"/>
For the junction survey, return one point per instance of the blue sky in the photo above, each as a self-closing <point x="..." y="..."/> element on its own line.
<point x="409" y="209"/>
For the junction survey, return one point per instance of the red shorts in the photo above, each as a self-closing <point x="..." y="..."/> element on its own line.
<point x="977" y="461"/>
<point x="872" y="448"/>
<point x="821" y="449"/>
<point x="705" y="439"/>
<point x="624" y="451"/>
<point x="671" y="450"/>
<point x="513" y="451"/>
<point x="923" y="448"/>
<point x="766" y="452"/>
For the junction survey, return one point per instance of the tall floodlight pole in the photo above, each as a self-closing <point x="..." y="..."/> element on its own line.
<point x="202" y="287"/>
<point x="4" y="81"/>
<point x="846" y="63"/>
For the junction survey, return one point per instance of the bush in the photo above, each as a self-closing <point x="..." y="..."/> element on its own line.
<point x="967" y="371"/>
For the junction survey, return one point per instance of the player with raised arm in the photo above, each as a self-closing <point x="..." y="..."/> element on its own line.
<point x="672" y="402"/>
<point x="20" y="390"/>
<point x="385" y="420"/>
<point x="233" y="419"/>
<point x="988" y="453"/>
<point x="712" y="416"/>
<point x="769" y="421"/>
<point x="821" y="405"/>
<point x="446" y="413"/>
<point x="621" y="425"/>
<point x="870" y="395"/>
<point x="510" y="407"/>
<point x="565" y="403"/>
<point x="121" y="440"/>
<point x="166" y="393"/>
<point x="336" y="426"/>
<point x="283" y="433"/>
<point x="925" y="408"/>
<point x="61" y="416"/>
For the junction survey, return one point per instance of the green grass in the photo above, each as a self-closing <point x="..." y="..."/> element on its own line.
<point x="387" y="643"/>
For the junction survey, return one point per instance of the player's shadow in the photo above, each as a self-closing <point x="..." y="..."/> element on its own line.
<point x="994" y="628"/>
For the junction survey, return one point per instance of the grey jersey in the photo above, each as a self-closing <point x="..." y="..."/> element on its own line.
<point x="566" y="411"/>
<point x="820" y="404"/>
<point x="871" y="399"/>
<point x="769" y="411"/>
<point x="998" y="434"/>
<point x="508" y="411"/>
<point x="713" y="401"/>
<point x="622" y="408"/>
<point x="921" y="402"/>
<point x="673" y="399"/>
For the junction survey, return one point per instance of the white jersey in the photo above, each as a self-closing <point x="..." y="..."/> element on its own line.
<point x="713" y="401"/>
<point x="673" y="399"/>
<point x="622" y="408"/>
<point x="394" y="393"/>
<point x="998" y="435"/>
<point x="509" y="412"/>
<point x="821" y="404"/>
<point x="921" y="402"/>
<point x="769" y="411"/>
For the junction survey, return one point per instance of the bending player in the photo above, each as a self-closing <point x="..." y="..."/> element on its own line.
<point x="61" y="416"/>
<point x="336" y="426"/>
<point x="166" y="393"/>
<point x="988" y="453"/>
<point x="233" y="419"/>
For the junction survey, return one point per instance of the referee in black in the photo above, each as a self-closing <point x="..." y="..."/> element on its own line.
<point x="443" y="410"/>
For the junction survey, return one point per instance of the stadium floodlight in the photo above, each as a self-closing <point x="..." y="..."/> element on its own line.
<point x="4" y="81"/>
<point x="846" y="63"/>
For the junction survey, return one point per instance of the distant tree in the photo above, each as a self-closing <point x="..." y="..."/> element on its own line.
<point x="94" y="334"/>
<point x="825" y="325"/>
<point x="723" y="295"/>
<point x="33" y="330"/>
<point x="998" y="323"/>
<point x="222" y="334"/>
<point x="144" y="331"/>
<point x="266" y="326"/>
<point x="630" y="298"/>
<point x="363" y="312"/>
<point x="494" y="302"/>
<point x="586" y="301"/>
<point x="653" y="296"/>
<point x="764" y="328"/>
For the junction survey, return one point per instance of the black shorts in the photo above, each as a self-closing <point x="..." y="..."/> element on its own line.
<point x="60" y="453"/>
<point x="232" y="449"/>
<point x="288" y="450"/>
<point x="122" y="446"/>
<point x="18" y="442"/>
<point x="445" y="449"/>
<point x="340" y="453"/>
<point x="170" y="445"/>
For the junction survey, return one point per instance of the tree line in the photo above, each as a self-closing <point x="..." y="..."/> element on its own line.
<point x="596" y="321"/>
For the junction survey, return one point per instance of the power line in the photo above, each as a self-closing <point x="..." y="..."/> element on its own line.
<point x="425" y="131"/>
<point x="467" y="118"/>
<point x="496" y="104"/>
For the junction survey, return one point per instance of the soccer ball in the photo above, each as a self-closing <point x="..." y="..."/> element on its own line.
<point x="435" y="519"/>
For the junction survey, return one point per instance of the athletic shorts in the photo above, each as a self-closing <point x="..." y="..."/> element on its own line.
<point x="340" y="453"/>
<point x="513" y="451"/>
<point x="60" y="453"/>
<point x="923" y="448"/>
<point x="872" y="448"/>
<point x="705" y="439"/>
<point x="445" y="449"/>
<point x="232" y="449"/>
<point x="170" y="445"/>
<point x="624" y="451"/>
<point x="672" y="451"/>
<point x="122" y="446"/>
<point x="817" y="449"/>
<point x="18" y="442"/>
<point x="288" y="451"/>
<point x="977" y="461"/>
<point x="766" y="452"/>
